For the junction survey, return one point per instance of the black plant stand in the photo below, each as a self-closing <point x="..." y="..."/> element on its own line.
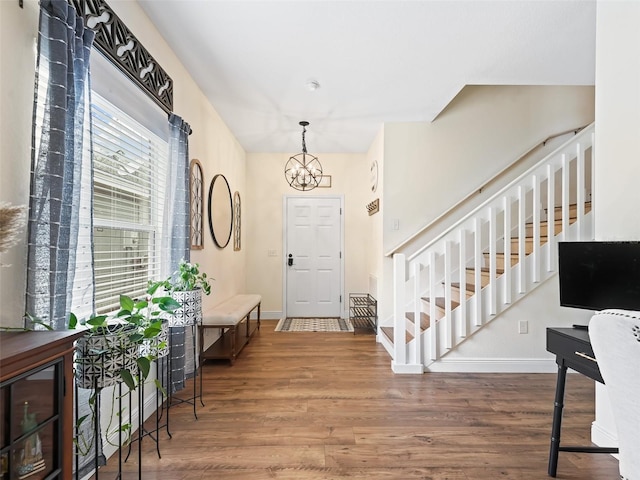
<point x="96" y="428"/>
<point x="154" y="433"/>
<point x="197" y="393"/>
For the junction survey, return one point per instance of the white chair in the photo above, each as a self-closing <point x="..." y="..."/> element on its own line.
<point x="615" y="338"/>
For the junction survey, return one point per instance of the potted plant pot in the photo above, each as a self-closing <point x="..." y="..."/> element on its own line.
<point x="102" y="354"/>
<point x="190" y="312"/>
<point x="185" y="286"/>
<point x="157" y="346"/>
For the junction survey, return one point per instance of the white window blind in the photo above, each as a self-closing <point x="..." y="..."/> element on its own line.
<point x="130" y="173"/>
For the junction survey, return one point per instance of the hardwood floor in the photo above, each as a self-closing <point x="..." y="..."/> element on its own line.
<point x="321" y="406"/>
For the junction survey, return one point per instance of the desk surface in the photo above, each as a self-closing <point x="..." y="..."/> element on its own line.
<point x="572" y="348"/>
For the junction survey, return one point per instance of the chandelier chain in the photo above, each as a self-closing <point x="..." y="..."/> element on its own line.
<point x="304" y="143"/>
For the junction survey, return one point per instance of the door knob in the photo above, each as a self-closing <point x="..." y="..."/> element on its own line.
<point x="290" y="260"/>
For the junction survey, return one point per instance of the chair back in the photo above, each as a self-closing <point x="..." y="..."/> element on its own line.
<point x="615" y="338"/>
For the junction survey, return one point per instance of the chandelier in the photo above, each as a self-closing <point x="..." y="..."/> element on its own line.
<point x="303" y="171"/>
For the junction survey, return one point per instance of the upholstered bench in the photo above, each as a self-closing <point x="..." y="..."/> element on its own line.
<point x="232" y="317"/>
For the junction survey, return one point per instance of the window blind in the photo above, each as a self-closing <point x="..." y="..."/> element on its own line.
<point x="130" y="175"/>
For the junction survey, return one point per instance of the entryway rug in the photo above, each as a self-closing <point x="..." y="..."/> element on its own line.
<point x="314" y="325"/>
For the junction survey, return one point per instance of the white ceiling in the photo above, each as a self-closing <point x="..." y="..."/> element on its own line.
<point x="376" y="61"/>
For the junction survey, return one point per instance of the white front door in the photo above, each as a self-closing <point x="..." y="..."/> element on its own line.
<point x="313" y="256"/>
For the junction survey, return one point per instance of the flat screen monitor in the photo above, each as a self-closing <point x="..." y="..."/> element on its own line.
<point x="599" y="275"/>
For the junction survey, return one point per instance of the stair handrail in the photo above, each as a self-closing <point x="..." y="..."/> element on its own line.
<point x="583" y="130"/>
<point x="477" y="191"/>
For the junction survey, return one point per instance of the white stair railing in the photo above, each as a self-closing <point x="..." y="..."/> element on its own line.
<point x="492" y="257"/>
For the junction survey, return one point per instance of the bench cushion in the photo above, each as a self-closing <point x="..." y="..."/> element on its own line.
<point x="232" y="310"/>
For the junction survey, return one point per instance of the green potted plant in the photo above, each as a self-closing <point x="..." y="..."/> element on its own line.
<point x="186" y="285"/>
<point x="121" y="346"/>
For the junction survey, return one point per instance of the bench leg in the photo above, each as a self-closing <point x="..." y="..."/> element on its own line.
<point x="232" y="356"/>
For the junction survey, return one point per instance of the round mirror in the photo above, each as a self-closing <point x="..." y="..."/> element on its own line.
<point x="220" y="211"/>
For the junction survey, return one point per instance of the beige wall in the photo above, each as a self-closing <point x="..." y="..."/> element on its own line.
<point x="211" y="142"/>
<point x="375" y="251"/>
<point x="17" y="70"/>
<point x="617" y="146"/>
<point x="263" y="222"/>
<point x="431" y="166"/>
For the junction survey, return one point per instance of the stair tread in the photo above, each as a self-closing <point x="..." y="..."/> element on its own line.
<point x="469" y="287"/>
<point x="425" y="321"/>
<point x="587" y="205"/>
<point x="529" y="237"/>
<point x="389" y="333"/>
<point x="484" y="270"/>
<point x="441" y="302"/>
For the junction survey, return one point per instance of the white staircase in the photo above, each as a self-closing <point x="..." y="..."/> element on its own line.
<point x="490" y="259"/>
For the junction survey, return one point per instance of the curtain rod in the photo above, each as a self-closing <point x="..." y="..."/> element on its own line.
<point x="169" y="117"/>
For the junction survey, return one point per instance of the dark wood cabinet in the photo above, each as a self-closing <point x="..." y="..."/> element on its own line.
<point x="36" y="403"/>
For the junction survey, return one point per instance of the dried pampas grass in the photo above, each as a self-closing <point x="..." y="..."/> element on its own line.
<point x="12" y="219"/>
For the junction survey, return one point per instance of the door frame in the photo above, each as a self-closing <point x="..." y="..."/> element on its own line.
<point x="285" y="199"/>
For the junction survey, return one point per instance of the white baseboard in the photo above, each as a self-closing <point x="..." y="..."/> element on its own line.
<point x="494" y="365"/>
<point x="603" y="437"/>
<point x="408" y="369"/>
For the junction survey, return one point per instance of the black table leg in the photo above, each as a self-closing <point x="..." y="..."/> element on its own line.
<point x="557" y="420"/>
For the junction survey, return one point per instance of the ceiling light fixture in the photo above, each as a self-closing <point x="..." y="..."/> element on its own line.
<point x="313" y="85"/>
<point x="303" y="170"/>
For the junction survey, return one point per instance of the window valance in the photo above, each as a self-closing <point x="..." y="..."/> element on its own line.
<point x="121" y="47"/>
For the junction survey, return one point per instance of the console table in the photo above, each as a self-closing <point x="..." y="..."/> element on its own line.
<point x="36" y="403"/>
<point x="572" y="348"/>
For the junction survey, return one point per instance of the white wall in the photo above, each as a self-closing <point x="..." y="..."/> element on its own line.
<point x="617" y="146"/>
<point x="431" y="166"/>
<point x="211" y="142"/>
<point x="263" y="222"/>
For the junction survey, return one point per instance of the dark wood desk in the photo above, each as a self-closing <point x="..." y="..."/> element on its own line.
<point x="572" y="348"/>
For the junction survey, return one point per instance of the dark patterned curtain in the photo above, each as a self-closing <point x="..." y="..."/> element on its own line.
<point x="176" y="215"/>
<point x="177" y="242"/>
<point x="60" y="226"/>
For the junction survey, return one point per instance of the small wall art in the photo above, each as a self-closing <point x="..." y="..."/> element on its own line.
<point x="236" y="221"/>
<point x="196" y="204"/>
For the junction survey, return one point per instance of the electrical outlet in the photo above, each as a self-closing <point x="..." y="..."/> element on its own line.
<point x="272" y="253"/>
<point x="396" y="224"/>
<point x="523" y="326"/>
